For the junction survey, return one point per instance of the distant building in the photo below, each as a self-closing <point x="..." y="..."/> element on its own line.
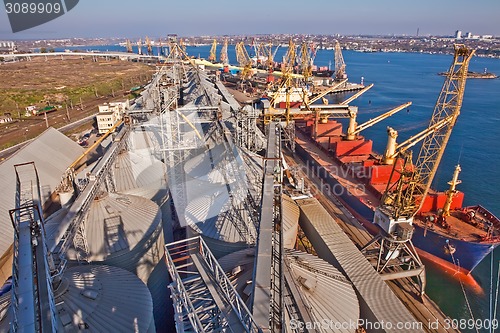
<point x="6" y="118"/>
<point x="109" y="114"/>
<point x="468" y="35"/>
<point x="30" y="110"/>
<point x="7" y="47"/>
<point x="458" y="34"/>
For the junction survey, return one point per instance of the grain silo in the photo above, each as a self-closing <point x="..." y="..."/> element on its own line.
<point x="97" y="299"/>
<point x="104" y="299"/>
<point x="123" y="231"/>
<point x="326" y="291"/>
<point x="327" y="294"/>
<point x="217" y="200"/>
<point x="140" y="175"/>
<point x="239" y="267"/>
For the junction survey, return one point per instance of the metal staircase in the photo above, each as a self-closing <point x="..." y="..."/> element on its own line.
<point x="33" y="306"/>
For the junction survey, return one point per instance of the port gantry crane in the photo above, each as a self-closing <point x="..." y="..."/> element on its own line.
<point x="244" y="61"/>
<point x="224" y="59"/>
<point x="149" y="46"/>
<point x="129" y="46"/>
<point x="139" y="46"/>
<point x="306" y="62"/>
<point x="340" y="73"/>
<point x="213" y="52"/>
<point x="410" y="182"/>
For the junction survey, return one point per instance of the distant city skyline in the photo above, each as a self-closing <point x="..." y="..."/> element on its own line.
<point x="127" y="18"/>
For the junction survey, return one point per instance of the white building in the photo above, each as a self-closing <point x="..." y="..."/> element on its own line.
<point x="458" y="34"/>
<point x="7" y="46"/>
<point x="6" y="118"/>
<point x="109" y="114"/>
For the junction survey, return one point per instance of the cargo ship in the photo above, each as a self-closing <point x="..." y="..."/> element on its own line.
<point x="352" y="172"/>
<point x="446" y="232"/>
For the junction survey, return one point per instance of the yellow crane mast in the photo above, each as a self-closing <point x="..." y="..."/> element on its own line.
<point x="213" y="52"/>
<point x="244" y="61"/>
<point x="149" y="46"/>
<point x="305" y="61"/>
<point x="129" y="46"/>
<point x="139" y="46"/>
<point x="223" y="53"/>
<point x="182" y="45"/>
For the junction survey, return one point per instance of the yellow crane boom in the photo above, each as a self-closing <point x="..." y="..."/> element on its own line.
<point x="354" y="129"/>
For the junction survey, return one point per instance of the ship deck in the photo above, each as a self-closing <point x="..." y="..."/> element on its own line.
<point x="336" y="170"/>
<point x="458" y="228"/>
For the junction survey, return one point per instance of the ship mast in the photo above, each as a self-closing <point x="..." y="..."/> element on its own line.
<point x="450" y="194"/>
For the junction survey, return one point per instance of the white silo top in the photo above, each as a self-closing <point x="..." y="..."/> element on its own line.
<point x="124" y="231"/>
<point x="139" y="175"/>
<point x="104" y="299"/>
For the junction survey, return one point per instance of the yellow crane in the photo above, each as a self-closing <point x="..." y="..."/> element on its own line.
<point x="149" y="46"/>
<point x="399" y="201"/>
<point x="139" y="46"/>
<point x="354" y="129"/>
<point x="223" y="53"/>
<point x="340" y="73"/>
<point x="305" y="61"/>
<point x="213" y="52"/>
<point x="182" y="45"/>
<point x="129" y="46"/>
<point x="244" y="61"/>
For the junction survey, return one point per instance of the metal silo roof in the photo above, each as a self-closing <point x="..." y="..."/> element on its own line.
<point x="210" y="165"/>
<point x="52" y="153"/>
<point x="104" y="299"/>
<point x="139" y="175"/>
<point x="239" y="267"/>
<point x="124" y="231"/>
<point x="291" y="213"/>
<point x="97" y="299"/>
<point x="325" y="291"/>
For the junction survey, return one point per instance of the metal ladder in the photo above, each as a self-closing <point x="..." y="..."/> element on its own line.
<point x="33" y="306"/>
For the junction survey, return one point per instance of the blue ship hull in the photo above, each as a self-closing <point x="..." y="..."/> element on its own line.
<point x="467" y="255"/>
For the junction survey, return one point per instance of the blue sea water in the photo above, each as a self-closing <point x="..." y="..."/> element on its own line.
<point x="475" y="141"/>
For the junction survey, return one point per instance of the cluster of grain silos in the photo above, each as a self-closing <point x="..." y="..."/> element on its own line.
<point x="317" y="281"/>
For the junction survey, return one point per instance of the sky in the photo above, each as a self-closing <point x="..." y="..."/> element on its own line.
<point x="157" y="18"/>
